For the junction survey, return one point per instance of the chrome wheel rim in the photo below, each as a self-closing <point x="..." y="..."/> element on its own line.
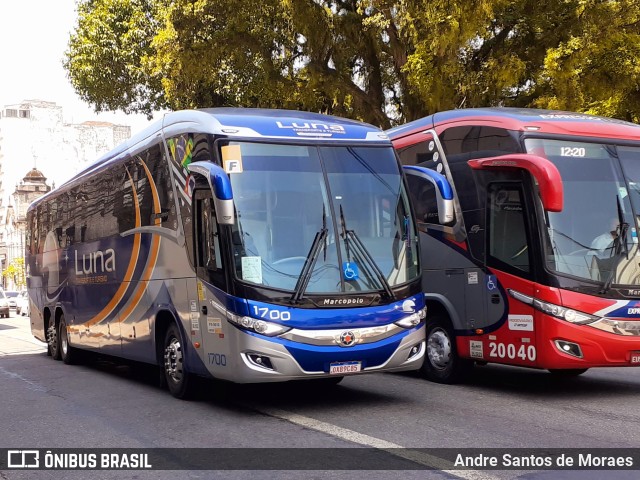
<point x="64" y="341"/>
<point x="173" y="360"/>
<point x="439" y="349"/>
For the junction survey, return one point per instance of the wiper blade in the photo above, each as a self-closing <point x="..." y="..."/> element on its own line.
<point x="362" y="251"/>
<point x="310" y="260"/>
<point x="619" y="247"/>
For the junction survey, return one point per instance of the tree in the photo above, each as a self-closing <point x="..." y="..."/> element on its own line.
<point x="380" y="61"/>
<point x="597" y="68"/>
<point x="105" y="60"/>
<point x="15" y="273"/>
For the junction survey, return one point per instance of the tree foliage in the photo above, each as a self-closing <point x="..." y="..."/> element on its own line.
<point x="16" y="273"/>
<point x="381" y="61"/>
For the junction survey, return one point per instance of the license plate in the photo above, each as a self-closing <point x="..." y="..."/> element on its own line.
<point x="344" y="367"/>
<point x="635" y="358"/>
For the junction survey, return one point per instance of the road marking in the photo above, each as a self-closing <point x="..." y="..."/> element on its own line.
<point x="22" y="352"/>
<point x="31" y="385"/>
<point x="421" y="458"/>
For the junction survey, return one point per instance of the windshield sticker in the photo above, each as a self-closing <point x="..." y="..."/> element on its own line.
<point x="232" y="158"/>
<point x="350" y="271"/>
<point x="623" y="192"/>
<point x="252" y="269"/>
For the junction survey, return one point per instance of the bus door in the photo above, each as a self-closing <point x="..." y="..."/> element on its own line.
<point x="510" y="335"/>
<point x="207" y="310"/>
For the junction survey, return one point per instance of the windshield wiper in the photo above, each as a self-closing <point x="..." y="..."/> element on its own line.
<point x="619" y="247"/>
<point x="310" y="260"/>
<point x="363" y="253"/>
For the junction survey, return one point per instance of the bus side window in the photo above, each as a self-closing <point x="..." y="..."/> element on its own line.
<point x="208" y="259"/>
<point x="507" y="229"/>
<point x="422" y="153"/>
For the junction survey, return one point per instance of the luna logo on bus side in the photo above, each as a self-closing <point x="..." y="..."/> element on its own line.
<point x="95" y="262"/>
<point x="313" y="126"/>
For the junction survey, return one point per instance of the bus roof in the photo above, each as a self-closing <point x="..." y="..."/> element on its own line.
<point x="255" y="123"/>
<point x="526" y="119"/>
<point x="251" y="123"/>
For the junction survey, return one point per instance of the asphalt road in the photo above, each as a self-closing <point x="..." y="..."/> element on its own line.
<point x="104" y="404"/>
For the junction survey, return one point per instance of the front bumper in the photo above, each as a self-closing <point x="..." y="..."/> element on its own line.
<point x="288" y="360"/>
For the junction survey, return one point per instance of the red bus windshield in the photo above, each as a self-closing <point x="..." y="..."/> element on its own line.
<point x="594" y="237"/>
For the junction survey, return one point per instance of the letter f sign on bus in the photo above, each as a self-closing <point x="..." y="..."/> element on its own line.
<point x="232" y="158"/>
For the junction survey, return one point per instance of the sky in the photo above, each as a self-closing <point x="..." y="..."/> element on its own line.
<point x="34" y="35"/>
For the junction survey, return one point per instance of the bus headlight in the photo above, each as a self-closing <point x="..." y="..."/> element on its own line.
<point x="259" y="326"/>
<point x="413" y="319"/>
<point x="567" y="314"/>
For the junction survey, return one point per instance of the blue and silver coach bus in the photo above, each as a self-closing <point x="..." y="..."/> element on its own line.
<point x="245" y="245"/>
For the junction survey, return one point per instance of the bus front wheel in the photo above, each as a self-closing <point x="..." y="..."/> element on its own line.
<point x="176" y="376"/>
<point x="442" y="363"/>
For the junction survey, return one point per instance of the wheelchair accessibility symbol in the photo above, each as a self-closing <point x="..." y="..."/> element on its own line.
<point x="350" y="271"/>
<point x="492" y="282"/>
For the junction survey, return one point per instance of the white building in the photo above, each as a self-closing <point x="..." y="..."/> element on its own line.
<point x="33" y="135"/>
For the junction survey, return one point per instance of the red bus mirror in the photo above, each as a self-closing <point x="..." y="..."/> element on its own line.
<point x="545" y="173"/>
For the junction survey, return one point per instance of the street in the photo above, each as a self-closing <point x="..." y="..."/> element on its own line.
<point x="102" y="404"/>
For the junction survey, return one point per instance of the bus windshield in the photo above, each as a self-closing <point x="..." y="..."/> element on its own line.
<point x="595" y="236"/>
<point x="342" y="209"/>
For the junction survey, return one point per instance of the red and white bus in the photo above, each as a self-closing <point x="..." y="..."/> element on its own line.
<point x="528" y="222"/>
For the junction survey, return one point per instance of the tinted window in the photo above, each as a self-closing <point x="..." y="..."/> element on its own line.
<point x="508" y="240"/>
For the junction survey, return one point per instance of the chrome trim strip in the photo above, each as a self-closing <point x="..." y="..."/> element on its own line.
<point x="628" y="328"/>
<point x="332" y="337"/>
<point x="520" y="296"/>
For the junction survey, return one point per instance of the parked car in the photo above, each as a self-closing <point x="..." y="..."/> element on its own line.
<point x="26" y="308"/>
<point x="4" y="305"/>
<point x="12" y="296"/>
<point x="22" y="302"/>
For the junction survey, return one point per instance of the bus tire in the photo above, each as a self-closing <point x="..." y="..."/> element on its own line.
<point x="442" y="363"/>
<point x="567" y="372"/>
<point x="68" y="354"/>
<point x="53" y="343"/>
<point x="178" y="380"/>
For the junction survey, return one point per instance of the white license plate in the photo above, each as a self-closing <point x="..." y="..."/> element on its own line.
<point x="344" y="367"/>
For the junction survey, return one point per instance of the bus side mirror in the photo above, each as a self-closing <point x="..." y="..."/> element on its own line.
<point x="544" y="171"/>
<point x="220" y="188"/>
<point x="444" y="192"/>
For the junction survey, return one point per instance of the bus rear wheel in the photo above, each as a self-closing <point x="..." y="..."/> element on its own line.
<point x="442" y="363"/>
<point x="53" y="343"/>
<point x="68" y="354"/>
<point x="178" y="380"/>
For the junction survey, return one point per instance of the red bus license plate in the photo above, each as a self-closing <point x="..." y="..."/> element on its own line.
<point x="344" y="367"/>
<point x="635" y="358"/>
